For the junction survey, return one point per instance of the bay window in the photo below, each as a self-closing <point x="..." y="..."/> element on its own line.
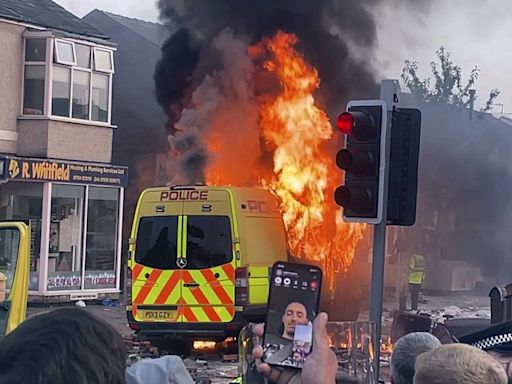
<point x="81" y="81"/>
<point x="33" y="90"/>
<point x="100" y="97"/>
<point x="61" y="91"/>
<point x="67" y="79"/>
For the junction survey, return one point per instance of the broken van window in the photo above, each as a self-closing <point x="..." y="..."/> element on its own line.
<point x="209" y="241"/>
<point x="156" y="242"/>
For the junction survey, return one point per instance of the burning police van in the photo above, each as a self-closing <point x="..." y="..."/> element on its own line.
<point x="200" y="259"/>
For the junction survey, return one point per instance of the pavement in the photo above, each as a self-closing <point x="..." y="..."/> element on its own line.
<point x="114" y="315"/>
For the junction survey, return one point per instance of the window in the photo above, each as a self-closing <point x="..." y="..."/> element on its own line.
<point x="24" y="202"/>
<point x="83" y="56"/>
<point x="209" y="241"/>
<point x="81" y="79"/>
<point x="9" y="244"/>
<point x="65" y="242"/>
<point x="100" y="97"/>
<point x="33" y="90"/>
<point x="35" y="50"/>
<point x="64" y="52"/>
<point x="103" y="60"/>
<point x="156" y="242"/>
<point x="102" y="215"/>
<point x="61" y="91"/>
<point x="81" y="84"/>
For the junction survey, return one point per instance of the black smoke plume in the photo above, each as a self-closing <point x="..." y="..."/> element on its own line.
<point x="173" y="73"/>
<point x="326" y="29"/>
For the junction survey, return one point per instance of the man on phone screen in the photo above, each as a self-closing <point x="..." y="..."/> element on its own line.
<point x="279" y="349"/>
<point x="295" y="313"/>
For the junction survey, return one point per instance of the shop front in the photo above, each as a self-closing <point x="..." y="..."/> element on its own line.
<point x="75" y="213"/>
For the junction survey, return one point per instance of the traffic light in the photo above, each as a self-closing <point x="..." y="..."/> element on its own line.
<point x="403" y="166"/>
<point x="364" y="161"/>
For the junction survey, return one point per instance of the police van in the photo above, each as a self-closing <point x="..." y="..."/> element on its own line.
<point x="200" y="259"/>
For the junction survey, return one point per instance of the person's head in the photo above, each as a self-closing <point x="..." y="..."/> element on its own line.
<point x="68" y="345"/>
<point x="295" y="313"/>
<point x="458" y="364"/>
<point x="405" y="351"/>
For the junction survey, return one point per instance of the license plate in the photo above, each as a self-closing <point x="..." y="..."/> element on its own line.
<point x="157" y="315"/>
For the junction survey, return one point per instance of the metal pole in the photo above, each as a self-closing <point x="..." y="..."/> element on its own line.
<point x="379" y="252"/>
<point x="390" y="92"/>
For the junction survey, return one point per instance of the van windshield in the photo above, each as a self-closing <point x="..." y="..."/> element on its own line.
<point x="209" y="241"/>
<point x="156" y="242"/>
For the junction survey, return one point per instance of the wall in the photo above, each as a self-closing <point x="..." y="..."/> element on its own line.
<point x="64" y="140"/>
<point x="10" y="83"/>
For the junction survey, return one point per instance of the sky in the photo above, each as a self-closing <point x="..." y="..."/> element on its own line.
<point x="476" y="34"/>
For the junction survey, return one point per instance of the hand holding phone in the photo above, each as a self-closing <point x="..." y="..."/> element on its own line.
<point x="292" y="306"/>
<point x="320" y="367"/>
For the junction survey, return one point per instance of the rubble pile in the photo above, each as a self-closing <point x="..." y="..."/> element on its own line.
<point x="138" y="350"/>
<point x="453" y="311"/>
<point x="214" y="372"/>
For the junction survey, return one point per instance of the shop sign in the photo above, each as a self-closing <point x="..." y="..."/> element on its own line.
<point x="20" y="168"/>
<point x="68" y="281"/>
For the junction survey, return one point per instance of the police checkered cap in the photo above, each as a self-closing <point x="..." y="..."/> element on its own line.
<point x="493" y="341"/>
<point x="496" y="336"/>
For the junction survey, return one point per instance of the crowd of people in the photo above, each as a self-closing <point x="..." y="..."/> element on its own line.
<point x="417" y="358"/>
<point x="70" y="345"/>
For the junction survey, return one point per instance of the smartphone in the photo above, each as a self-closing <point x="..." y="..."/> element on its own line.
<point x="292" y="306"/>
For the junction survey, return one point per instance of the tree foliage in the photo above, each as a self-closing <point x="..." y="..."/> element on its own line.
<point x="446" y="85"/>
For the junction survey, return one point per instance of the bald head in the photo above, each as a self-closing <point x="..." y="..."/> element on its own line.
<point x="295" y="313"/>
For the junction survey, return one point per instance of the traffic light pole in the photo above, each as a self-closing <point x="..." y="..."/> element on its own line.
<point x="389" y="93"/>
<point x="379" y="252"/>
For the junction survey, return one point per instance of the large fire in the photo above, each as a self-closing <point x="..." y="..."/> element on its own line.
<point x="304" y="175"/>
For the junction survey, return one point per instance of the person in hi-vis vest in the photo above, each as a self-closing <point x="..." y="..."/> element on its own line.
<point x="417" y="269"/>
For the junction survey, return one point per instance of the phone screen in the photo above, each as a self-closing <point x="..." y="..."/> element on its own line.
<point x="292" y="307"/>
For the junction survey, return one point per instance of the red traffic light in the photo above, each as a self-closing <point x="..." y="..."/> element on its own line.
<point x="358" y="124"/>
<point x="346" y="123"/>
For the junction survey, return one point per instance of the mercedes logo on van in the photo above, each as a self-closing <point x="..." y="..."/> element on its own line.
<point x="181" y="262"/>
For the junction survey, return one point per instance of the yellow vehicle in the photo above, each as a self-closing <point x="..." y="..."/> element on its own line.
<point x="200" y="259"/>
<point x="14" y="269"/>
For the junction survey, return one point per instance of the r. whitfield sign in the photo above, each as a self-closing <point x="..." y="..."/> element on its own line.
<point x="19" y="168"/>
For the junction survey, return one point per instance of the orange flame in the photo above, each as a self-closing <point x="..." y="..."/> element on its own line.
<point x="304" y="176"/>
<point x="303" y="169"/>
<point x="203" y="345"/>
<point x="387" y="346"/>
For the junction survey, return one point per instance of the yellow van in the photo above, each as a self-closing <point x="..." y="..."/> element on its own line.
<point x="14" y="274"/>
<point x="200" y="259"/>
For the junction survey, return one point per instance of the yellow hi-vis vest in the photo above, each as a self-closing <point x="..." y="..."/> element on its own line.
<point x="417" y="269"/>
